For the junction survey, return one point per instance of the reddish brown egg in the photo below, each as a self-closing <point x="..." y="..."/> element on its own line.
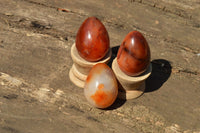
<point x="133" y="56"/>
<point x="92" y="40"/>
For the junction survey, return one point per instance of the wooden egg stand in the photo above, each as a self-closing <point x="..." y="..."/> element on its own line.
<point x="130" y="87"/>
<point x="81" y="67"/>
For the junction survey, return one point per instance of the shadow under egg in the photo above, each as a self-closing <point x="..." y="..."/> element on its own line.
<point x="161" y="71"/>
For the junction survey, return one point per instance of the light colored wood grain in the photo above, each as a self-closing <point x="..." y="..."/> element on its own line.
<point x="35" y="43"/>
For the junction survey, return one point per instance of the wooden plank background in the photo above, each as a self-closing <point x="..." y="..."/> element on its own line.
<point x="36" y="94"/>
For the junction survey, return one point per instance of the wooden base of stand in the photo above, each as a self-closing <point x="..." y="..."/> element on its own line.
<point x="80" y="68"/>
<point x="132" y="94"/>
<point x="75" y="80"/>
<point x="130" y="87"/>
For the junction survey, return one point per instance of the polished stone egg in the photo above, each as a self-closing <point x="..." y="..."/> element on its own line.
<point x="101" y="86"/>
<point x="133" y="56"/>
<point x="92" y="40"/>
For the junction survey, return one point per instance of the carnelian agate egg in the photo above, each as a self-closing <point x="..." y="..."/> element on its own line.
<point x="92" y="40"/>
<point x="133" y="56"/>
<point x="101" y="86"/>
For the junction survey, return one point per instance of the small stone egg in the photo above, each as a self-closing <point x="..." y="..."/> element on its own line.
<point x="133" y="56"/>
<point x="92" y="40"/>
<point x="101" y="86"/>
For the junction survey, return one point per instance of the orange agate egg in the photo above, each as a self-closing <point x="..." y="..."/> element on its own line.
<point x="92" y="40"/>
<point x="133" y="56"/>
<point x="101" y="86"/>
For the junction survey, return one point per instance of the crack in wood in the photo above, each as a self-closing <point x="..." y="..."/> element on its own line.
<point x="186" y="71"/>
<point x="10" y="129"/>
<point x="10" y="96"/>
<point x="163" y="8"/>
<point x="53" y="7"/>
<point x="36" y="27"/>
<point x="189" y="72"/>
<point x="175" y="69"/>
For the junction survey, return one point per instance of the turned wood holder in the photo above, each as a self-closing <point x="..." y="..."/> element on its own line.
<point x="130" y="87"/>
<point x="81" y="67"/>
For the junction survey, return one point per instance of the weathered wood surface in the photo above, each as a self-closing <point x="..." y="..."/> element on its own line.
<point x="36" y="94"/>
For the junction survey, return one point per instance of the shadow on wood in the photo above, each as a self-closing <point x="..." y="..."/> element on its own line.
<point x="161" y="71"/>
<point x="113" y="56"/>
<point x="118" y="103"/>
